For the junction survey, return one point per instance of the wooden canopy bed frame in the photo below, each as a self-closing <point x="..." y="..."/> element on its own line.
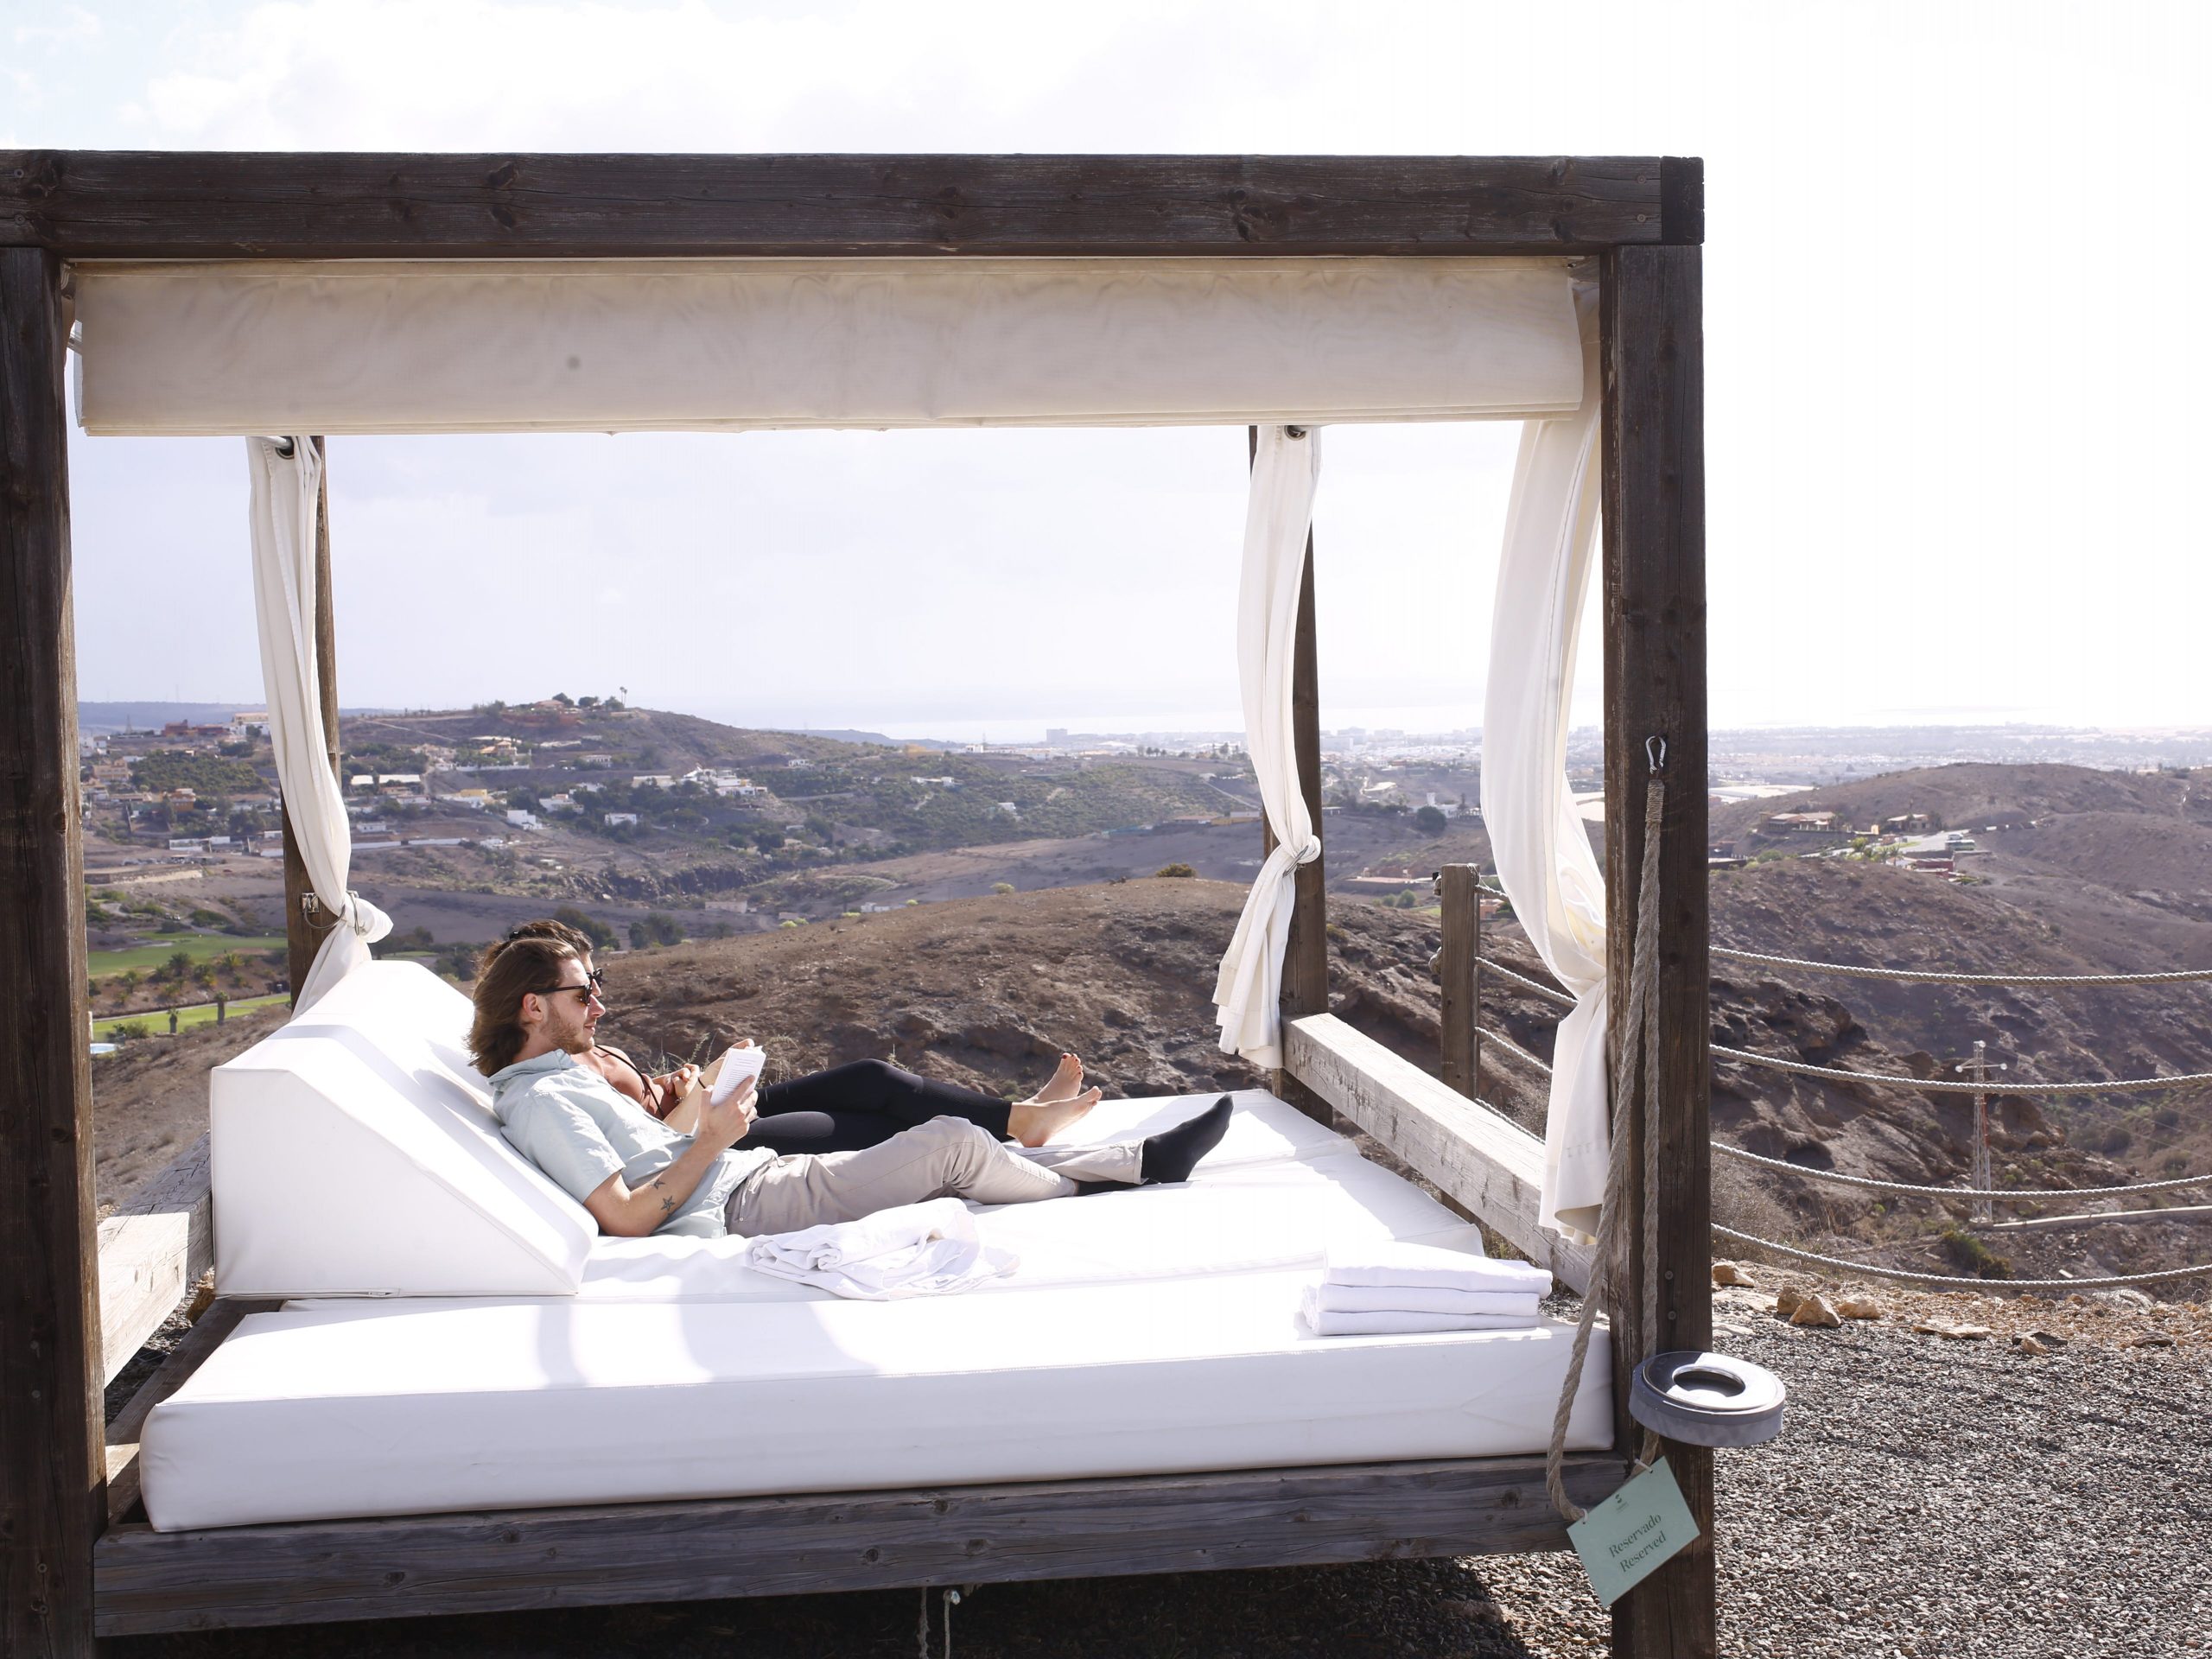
<point x="73" y="1562"/>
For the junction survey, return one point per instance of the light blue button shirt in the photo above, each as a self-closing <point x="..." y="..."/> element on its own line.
<point x="576" y="1127"/>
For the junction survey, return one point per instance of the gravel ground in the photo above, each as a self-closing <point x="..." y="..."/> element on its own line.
<point x="1932" y="1496"/>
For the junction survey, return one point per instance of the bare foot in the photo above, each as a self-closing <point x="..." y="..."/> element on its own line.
<point x="1064" y="1083"/>
<point x="1033" y="1123"/>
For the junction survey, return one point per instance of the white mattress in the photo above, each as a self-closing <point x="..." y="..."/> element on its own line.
<point x="1146" y="1331"/>
<point x="386" y="1408"/>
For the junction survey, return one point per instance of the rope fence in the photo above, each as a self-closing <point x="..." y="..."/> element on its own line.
<point x="1549" y="993"/>
<point x="2182" y="1083"/>
<point x="2008" y="1195"/>
<point x="1984" y="1086"/>
<point x="1905" y="975"/>
<point x="1851" y="971"/>
<point x="1514" y="1049"/>
<point x="1874" y="1271"/>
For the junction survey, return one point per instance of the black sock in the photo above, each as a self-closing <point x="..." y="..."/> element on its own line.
<point x="1174" y="1153"/>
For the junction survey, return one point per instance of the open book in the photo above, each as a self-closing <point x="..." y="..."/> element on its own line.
<point x="727" y="1073"/>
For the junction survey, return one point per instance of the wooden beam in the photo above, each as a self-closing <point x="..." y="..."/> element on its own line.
<point x="51" y="1506"/>
<point x="303" y="935"/>
<point x="151" y="1581"/>
<point x="206" y="1335"/>
<point x="1483" y="1161"/>
<point x="1460" y="977"/>
<point x="161" y="204"/>
<point x="1654" y="512"/>
<point x="153" y="1248"/>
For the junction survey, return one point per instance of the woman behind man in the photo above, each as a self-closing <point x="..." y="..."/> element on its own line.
<point x="536" y="1015"/>
<point x="844" y="1109"/>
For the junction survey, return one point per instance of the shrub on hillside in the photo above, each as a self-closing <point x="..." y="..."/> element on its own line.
<point x="591" y="927"/>
<point x="1175" y="870"/>
<point x="1969" y="1255"/>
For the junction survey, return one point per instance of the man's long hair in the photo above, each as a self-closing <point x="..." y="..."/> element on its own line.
<point x="509" y="971"/>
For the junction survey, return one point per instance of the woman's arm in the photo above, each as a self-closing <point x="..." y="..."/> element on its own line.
<point x="676" y="1114"/>
<point x="673" y="1110"/>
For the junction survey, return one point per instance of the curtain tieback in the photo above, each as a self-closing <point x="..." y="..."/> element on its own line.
<point x="1310" y="851"/>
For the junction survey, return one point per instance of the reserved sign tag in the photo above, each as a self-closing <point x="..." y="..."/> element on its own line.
<point x="1626" y="1539"/>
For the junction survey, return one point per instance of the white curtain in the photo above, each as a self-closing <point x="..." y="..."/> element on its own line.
<point x="1544" y="859"/>
<point x="462" y="346"/>
<point x="1284" y="470"/>
<point x="282" y="516"/>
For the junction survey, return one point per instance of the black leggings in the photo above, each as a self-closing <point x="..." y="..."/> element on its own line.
<point x="849" y="1108"/>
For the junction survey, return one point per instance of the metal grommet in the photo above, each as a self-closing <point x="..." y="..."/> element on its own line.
<point x="1707" y="1399"/>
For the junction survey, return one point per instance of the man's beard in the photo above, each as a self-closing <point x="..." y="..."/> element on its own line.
<point x="576" y="1039"/>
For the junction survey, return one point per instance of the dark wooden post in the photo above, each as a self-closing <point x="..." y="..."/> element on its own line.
<point x="1460" y="977"/>
<point x="53" y="1467"/>
<point x="302" y="934"/>
<point x="1655" y="687"/>
<point x="1305" y="987"/>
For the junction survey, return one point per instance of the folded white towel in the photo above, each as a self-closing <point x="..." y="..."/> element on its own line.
<point x="917" y="1249"/>
<point x="1417" y="1299"/>
<point x="1432" y="1268"/>
<point x="1329" y="1322"/>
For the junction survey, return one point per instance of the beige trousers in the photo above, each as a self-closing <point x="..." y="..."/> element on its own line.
<point x="944" y="1157"/>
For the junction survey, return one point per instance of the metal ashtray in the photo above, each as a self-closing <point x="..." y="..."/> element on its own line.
<point x="1708" y="1399"/>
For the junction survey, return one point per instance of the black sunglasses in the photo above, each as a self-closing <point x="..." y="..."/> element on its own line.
<point x="589" y="989"/>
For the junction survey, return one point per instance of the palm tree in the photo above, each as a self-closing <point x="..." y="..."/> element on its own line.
<point x="179" y="964"/>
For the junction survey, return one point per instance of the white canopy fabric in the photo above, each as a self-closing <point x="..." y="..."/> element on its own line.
<point x="1284" y="472"/>
<point x="281" y="517"/>
<point x="1543" y="854"/>
<point x="349" y="346"/>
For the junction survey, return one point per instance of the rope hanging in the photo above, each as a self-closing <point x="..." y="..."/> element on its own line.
<point x="1639" y="1050"/>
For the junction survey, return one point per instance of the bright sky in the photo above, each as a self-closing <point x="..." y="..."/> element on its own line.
<point x="1954" y="419"/>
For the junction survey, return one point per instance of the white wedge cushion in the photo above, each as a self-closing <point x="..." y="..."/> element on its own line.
<point x="355" y="1153"/>
<point x="380" y="1408"/>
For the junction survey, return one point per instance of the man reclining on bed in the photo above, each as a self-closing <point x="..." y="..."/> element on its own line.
<point x="537" y="1010"/>
<point x="844" y="1109"/>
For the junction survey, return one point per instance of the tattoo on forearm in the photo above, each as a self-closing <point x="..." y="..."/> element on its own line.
<point x="667" y="1201"/>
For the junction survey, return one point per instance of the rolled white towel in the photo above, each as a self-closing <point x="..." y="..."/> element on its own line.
<point x="1419" y="1298"/>
<point x="1430" y="1267"/>
<point x="917" y="1249"/>
<point x="1329" y="1322"/>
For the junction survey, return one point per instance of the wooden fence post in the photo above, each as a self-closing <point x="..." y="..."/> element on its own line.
<point x="1460" y="977"/>
<point x="1656" y="687"/>
<point x="304" y="930"/>
<point x="52" y="1462"/>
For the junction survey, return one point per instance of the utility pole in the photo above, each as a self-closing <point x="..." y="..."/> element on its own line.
<point x="1984" y="1209"/>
